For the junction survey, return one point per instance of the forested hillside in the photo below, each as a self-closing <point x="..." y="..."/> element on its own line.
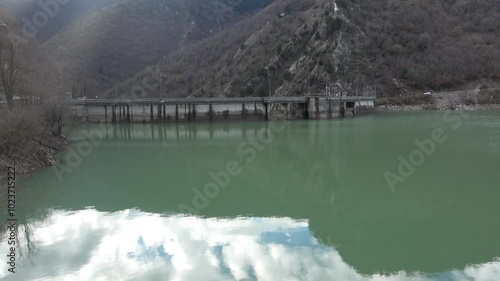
<point x="114" y="43"/>
<point x="234" y="47"/>
<point x="34" y="72"/>
<point x="428" y="45"/>
<point x="358" y="47"/>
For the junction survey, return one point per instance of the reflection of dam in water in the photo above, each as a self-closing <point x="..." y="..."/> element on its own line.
<point x="173" y="132"/>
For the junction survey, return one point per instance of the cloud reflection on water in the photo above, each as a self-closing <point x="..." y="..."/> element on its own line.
<point x="133" y="245"/>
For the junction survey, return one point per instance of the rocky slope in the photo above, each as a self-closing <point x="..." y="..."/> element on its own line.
<point x="301" y="44"/>
<point x="388" y="48"/>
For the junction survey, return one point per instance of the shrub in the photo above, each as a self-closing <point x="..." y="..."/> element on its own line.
<point x="424" y="41"/>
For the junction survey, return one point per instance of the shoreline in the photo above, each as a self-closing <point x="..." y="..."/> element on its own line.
<point x="424" y="107"/>
<point x="39" y="155"/>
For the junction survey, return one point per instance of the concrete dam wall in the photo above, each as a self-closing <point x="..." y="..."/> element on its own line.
<point x="189" y="110"/>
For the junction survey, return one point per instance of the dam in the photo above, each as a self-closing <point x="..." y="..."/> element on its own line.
<point x="213" y="109"/>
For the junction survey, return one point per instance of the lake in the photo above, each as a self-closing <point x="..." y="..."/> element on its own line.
<point x="389" y="196"/>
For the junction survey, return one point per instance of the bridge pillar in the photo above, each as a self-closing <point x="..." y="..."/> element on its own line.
<point x="194" y="112"/>
<point x="164" y="113"/>
<point x="210" y="113"/>
<point x="243" y="111"/>
<point x="128" y="113"/>
<point x="266" y="105"/>
<point x="106" y="114"/>
<point x="329" y="108"/>
<point x="151" y="116"/>
<point x="305" y="112"/>
<point x="113" y="112"/>
<point x="316" y="101"/>
<point x="158" y="113"/>
<point x="176" y="113"/>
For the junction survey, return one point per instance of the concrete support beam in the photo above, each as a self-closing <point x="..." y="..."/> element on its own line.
<point x="113" y="112"/>
<point x="330" y="108"/>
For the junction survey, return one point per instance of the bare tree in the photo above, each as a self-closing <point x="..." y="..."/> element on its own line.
<point x="11" y="70"/>
<point x="41" y="84"/>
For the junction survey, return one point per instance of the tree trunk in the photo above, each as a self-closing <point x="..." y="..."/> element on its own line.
<point x="10" y="70"/>
<point x="10" y="103"/>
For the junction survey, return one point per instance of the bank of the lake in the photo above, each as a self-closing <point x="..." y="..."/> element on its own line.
<point x="30" y="137"/>
<point x="423" y="107"/>
<point x="485" y="99"/>
<point x="34" y="155"/>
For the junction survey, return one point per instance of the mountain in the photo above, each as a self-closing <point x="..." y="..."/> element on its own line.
<point x="36" y="75"/>
<point x="429" y="45"/>
<point x="116" y="42"/>
<point x="299" y="42"/>
<point x="358" y="47"/>
<point x="48" y="17"/>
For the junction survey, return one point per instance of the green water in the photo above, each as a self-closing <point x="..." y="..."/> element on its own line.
<point x="301" y="200"/>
